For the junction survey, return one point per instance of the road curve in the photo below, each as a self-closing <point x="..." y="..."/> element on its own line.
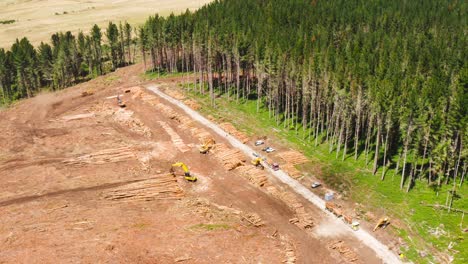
<point x="381" y="250"/>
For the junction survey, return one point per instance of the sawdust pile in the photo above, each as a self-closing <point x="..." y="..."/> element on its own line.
<point x="346" y="252"/>
<point x="175" y="138"/>
<point x="162" y="187"/>
<point x="229" y="158"/>
<point x="293" y="157"/>
<point x="228" y="127"/>
<point x="103" y="156"/>
<point x="253" y="174"/>
<point x="302" y="218"/>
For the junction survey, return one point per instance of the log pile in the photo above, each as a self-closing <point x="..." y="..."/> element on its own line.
<point x="103" y="156"/>
<point x="192" y="104"/>
<point x="302" y="218"/>
<point x="175" y="138"/>
<point x="347" y="253"/>
<point x="175" y="94"/>
<point x="230" y="158"/>
<point x="253" y="174"/>
<point x="293" y="157"/>
<point x="162" y="187"/>
<point x="201" y="134"/>
<point x="229" y="128"/>
<point x="291" y="171"/>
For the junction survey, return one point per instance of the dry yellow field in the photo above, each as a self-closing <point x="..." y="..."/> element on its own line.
<point x="38" y="19"/>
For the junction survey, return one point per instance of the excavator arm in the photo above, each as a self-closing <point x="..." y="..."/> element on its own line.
<point x="184" y="167"/>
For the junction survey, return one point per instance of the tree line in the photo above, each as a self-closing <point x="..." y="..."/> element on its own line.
<point x="67" y="60"/>
<point x="385" y="80"/>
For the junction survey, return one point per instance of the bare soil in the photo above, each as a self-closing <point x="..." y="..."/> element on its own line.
<point x="82" y="180"/>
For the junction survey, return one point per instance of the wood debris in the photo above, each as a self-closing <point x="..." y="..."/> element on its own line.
<point x="253" y="219"/>
<point x="103" y="156"/>
<point x="175" y="138"/>
<point x="290" y="251"/>
<point x="77" y="117"/>
<point x="293" y="157"/>
<point x="126" y="117"/>
<point x="229" y="128"/>
<point x="346" y="252"/>
<point x="162" y="187"/>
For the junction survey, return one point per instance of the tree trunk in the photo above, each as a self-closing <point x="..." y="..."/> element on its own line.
<point x="377" y="145"/>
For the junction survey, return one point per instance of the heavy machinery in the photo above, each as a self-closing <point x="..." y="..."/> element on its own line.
<point x="382" y="223"/>
<point x="120" y="102"/>
<point x="257" y="162"/>
<point x="187" y="175"/>
<point x="207" y="146"/>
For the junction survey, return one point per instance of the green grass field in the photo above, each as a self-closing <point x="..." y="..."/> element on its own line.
<point x="423" y="228"/>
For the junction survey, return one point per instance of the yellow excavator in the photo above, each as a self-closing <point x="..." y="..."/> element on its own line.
<point x="257" y="162"/>
<point x="382" y="223"/>
<point x="207" y="146"/>
<point x="187" y="174"/>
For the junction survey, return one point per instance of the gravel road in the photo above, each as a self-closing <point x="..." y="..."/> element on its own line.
<point x="365" y="237"/>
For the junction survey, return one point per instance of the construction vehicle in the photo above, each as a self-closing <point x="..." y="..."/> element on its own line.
<point x="120" y="102"/>
<point x="257" y="162"/>
<point x="382" y="223"/>
<point x="207" y="146"/>
<point x="187" y="175"/>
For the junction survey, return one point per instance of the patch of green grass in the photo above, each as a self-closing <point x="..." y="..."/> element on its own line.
<point x="354" y="179"/>
<point x="210" y="227"/>
<point x="6" y="22"/>
<point x="152" y="75"/>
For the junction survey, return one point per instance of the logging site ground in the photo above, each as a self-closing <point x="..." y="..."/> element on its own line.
<point x="83" y="180"/>
<point x="39" y="19"/>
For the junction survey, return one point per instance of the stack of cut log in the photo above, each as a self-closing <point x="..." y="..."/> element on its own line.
<point x="162" y="187"/>
<point x="103" y="156"/>
<point x="293" y="157"/>
<point x="230" y="158"/>
<point x="253" y="174"/>
<point x="228" y="127"/>
<point x="347" y="253"/>
<point x="174" y="94"/>
<point x="192" y="104"/>
<point x="175" y="138"/>
<point x="302" y="218"/>
<point x="292" y="171"/>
